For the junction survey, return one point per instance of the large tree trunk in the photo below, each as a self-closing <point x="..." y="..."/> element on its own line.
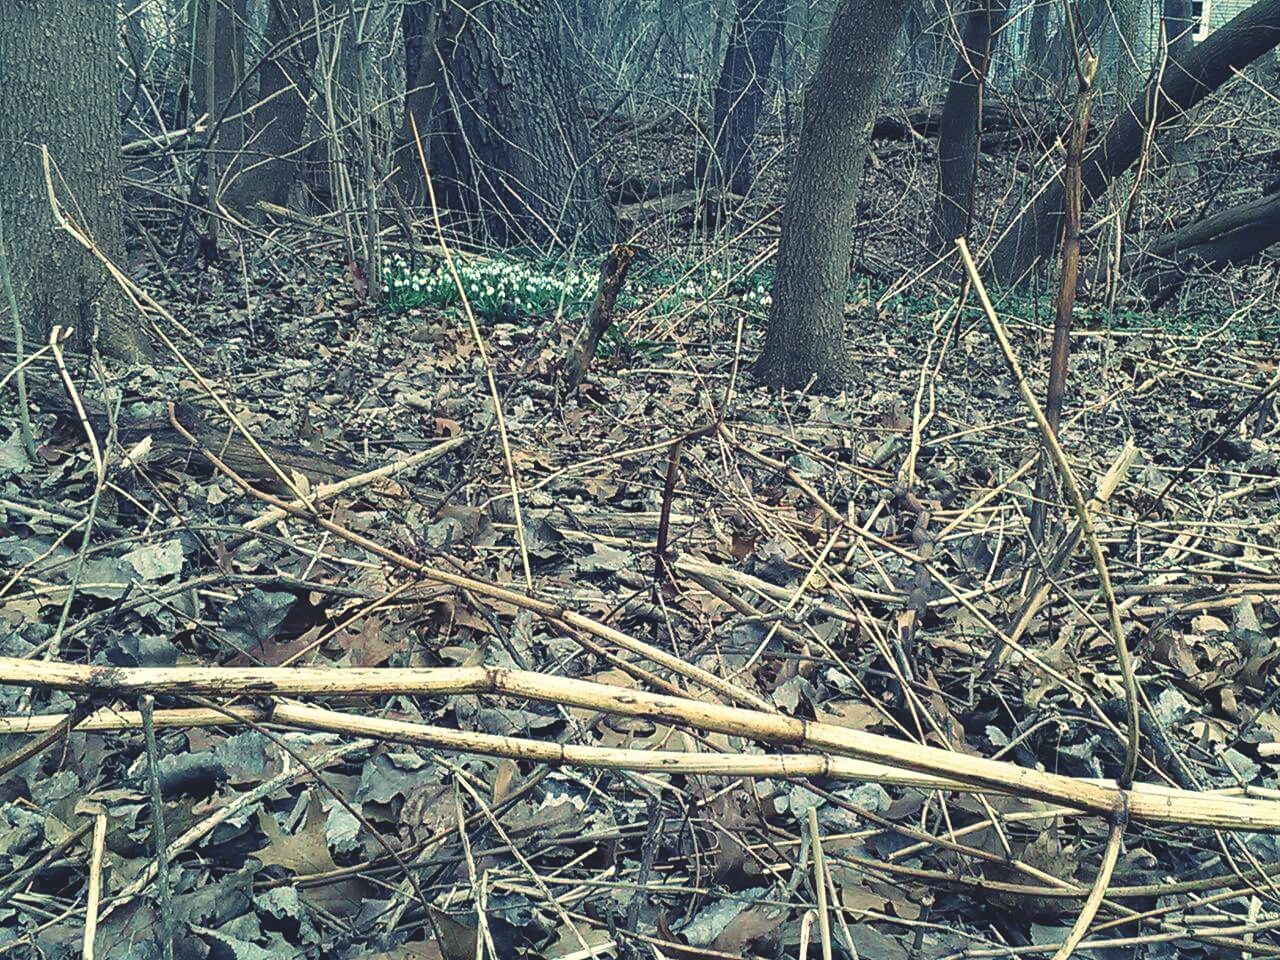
<point x="281" y="111"/>
<point x="805" y="339"/>
<point x="517" y="148"/>
<point x="1179" y="27"/>
<point x="1130" y="30"/>
<point x="1187" y="80"/>
<point x="739" y="93"/>
<point x="959" y="130"/>
<point x="59" y="87"/>
<point x="1034" y="75"/>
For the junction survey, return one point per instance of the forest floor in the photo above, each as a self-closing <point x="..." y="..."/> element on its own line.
<point x="844" y="558"/>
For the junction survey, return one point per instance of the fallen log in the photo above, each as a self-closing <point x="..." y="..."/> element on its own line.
<point x="1236" y="235"/>
<point x="166" y="445"/>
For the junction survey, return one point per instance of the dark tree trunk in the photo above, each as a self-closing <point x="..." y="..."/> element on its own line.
<point x="1187" y="80"/>
<point x="739" y="93"/>
<point x="281" y="113"/>
<point x="216" y="72"/>
<point x="1127" y="24"/>
<point x="422" y="76"/>
<point x="1034" y="75"/>
<point x="959" y="130"/>
<point x="517" y="149"/>
<point x="805" y="339"/>
<point x="59" y="86"/>
<point x="1235" y="235"/>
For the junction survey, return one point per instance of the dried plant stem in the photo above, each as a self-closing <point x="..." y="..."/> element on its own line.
<point x="1083" y="516"/>
<point x="1148" y="802"/>
<point x="94" y="897"/>
<point x="494" y="396"/>
<point x="146" y="712"/>
<point x="327" y="490"/>
<point x="1096" y="893"/>
<point x="820" y="882"/>
<point x="1072" y="201"/>
<point x="543" y="609"/>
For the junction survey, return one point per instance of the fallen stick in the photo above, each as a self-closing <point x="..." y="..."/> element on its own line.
<point x="567" y="620"/>
<point x="1144" y="802"/>
<point x="327" y="490"/>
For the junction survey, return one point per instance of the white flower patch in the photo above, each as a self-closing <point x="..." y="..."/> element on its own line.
<point x="493" y="288"/>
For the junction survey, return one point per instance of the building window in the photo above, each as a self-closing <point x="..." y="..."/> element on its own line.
<point x="1201" y="10"/>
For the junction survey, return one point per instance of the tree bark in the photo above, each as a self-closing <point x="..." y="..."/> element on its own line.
<point x="1179" y="27"/>
<point x="805" y="339"/>
<point x="422" y="84"/>
<point x="1187" y="81"/>
<point x="517" y="149"/>
<point x="217" y="68"/>
<point x="1235" y="235"/>
<point x="281" y="112"/>
<point x="59" y="87"/>
<point x="959" y="130"/>
<point x="1034" y="76"/>
<point x="1128" y="26"/>
<point x="739" y="93"/>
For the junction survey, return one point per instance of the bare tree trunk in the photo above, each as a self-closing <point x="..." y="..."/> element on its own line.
<point x="217" y="69"/>
<point x="1179" y="27"/>
<point x="1035" y="69"/>
<point x="1186" y="82"/>
<point x="281" y="112"/>
<point x="422" y="85"/>
<point x="960" y="129"/>
<point x="1132" y="49"/>
<point x="739" y="94"/>
<point x="805" y="340"/>
<point x="517" y="148"/>
<point x="59" y="87"/>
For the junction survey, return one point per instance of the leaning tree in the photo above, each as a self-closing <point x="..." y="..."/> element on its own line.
<point x="805" y="339"/>
<point x="1186" y="80"/>
<point x="58" y="90"/>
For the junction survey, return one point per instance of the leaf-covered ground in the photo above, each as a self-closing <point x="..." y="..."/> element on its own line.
<point x="931" y="452"/>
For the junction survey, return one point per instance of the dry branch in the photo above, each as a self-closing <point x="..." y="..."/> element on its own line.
<point x="1147" y="802"/>
<point x="613" y="274"/>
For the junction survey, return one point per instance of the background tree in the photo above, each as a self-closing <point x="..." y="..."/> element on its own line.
<point x="423" y="76"/>
<point x="59" y="88"/>
<point x="739" y="93"/>
<point x="805" y="339"/>
<point x="1179" y="26"/>
<point x="280" y="114"/>
<point x="217" y="68"/>
<point x="516" y="145"/>
<point x="960" y="128"/>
